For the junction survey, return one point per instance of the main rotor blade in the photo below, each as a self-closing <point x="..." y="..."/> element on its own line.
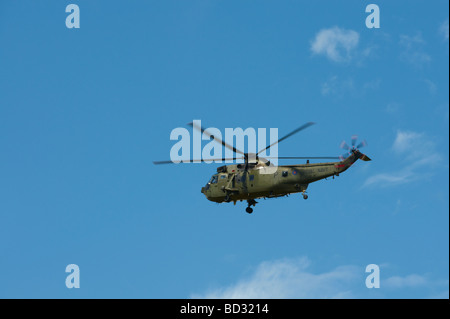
<point x="204" y="160"/>
<point x="362" y="144"/>
<point x="345" y="146"/>
<point x="354" y="138"/>
<point x="304" y="126"/>
<point x="304" y="157"/>
<point x="204" y="131"/>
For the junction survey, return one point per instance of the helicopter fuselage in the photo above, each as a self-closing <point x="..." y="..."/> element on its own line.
<point x="237" y="182"/>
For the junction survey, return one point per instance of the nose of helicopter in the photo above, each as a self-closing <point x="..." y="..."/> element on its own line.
<point x="205" y="189"/>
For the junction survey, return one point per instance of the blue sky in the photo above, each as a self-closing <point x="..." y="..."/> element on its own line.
<point x="84" y="112"/>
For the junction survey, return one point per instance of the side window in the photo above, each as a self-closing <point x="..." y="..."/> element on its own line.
<point x="222" y="177"/>
<point x="251" y="178"/>
<point x="285" y="174"/>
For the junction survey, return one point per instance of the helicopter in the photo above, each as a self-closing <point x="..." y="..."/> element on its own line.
<point x="258" y="178"/>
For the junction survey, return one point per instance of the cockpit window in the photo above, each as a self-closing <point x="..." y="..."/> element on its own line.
<point x="214" y="179"/>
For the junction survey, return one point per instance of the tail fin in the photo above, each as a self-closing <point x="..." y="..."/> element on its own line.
<point x="364" y="157"/>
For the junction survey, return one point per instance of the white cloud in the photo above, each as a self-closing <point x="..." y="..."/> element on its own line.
<point x="432" y="87"/>
<point x="290" y="278"/>
<point x="393" y="107"/>
<point x="335" y="43"/>
<point x="336" y="86"/>
<point x="418" y="155"/>
<point x="405" y="141"/>
<point x="413" y="51"/>
<point x="412" y="145"/>
<point x="408" y="281"/>
<point x="294" y="279"/>
<point x="409" y="42"/>
<point x="340" y="87"/>
<point x="372" y="84"/>
<point x="420" y="282"/>
<point x="389" y="179"/>
<point x="442" y="111"/>
<point x="444" y="29"/>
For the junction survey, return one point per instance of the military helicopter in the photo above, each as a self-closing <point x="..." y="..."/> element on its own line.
<point x="258" y="178"/>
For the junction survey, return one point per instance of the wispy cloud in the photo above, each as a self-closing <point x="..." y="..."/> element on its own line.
<point x="293" y="278"/>
<point x="290" y="278"/>
<point x="337" y="86"/>
<point x="432" y="87"/>
<point x="418" y="155"/>
<point x="412" y="145"/>
<point x="422" y="282"/>
<point x="408" y="281"/>
<point x="340" y="87"/>
<point x="413" y="50"/>
<point x="393" y="107"/>
<point x="336" y="44"/>
<point x="444" y="30"/>
<point x="389" y="179"/>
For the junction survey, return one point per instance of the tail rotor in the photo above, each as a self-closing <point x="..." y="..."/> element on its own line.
<point x="354" y="149"/>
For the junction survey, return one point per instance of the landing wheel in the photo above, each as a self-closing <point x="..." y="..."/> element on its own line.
<point x="305" y="196"/>
<point x="249" y="210"/>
